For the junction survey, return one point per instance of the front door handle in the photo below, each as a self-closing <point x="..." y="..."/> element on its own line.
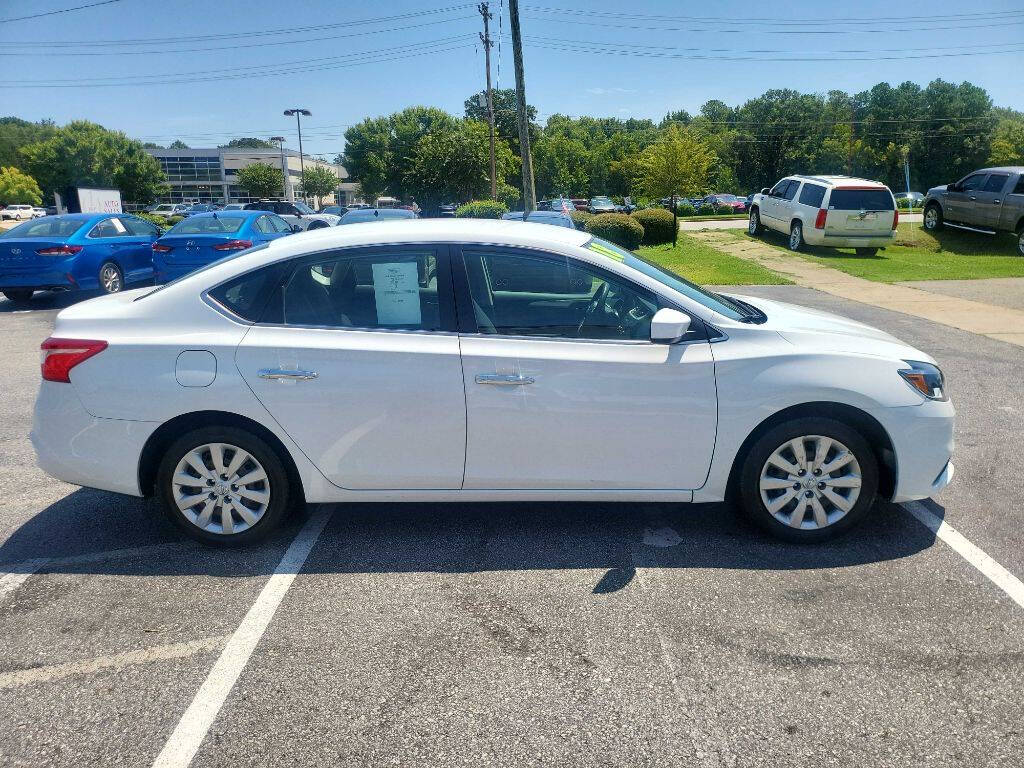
<point x="996" y="202"/>
<point x="284" y="373"/>
<point x="503" y="379"/>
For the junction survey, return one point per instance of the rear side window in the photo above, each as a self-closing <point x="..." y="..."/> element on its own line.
<point x="996" y="182"/>
<point x="1019" y="189"/>
<point x="873" y="199"/>
<point x="812" y="194"/>
<point x="247" y="294"/>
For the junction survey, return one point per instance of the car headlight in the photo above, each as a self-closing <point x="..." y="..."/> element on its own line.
<point x="926" y="378"/>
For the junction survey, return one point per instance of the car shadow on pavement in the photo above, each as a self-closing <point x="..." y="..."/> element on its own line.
<point x="76" y="533"/>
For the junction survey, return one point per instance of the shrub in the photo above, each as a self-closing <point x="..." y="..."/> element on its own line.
<point x="706" y="209"/>
<point x="618" y="228"/>
<point x="481" y="209"/>
<point x="153" y="218"/>
<point x="580" y="218"/>
<point x="724" y="210"/>
<point x="685" y="209"/>
<point x="174" y="220"/>
<point x="658" y="225"/>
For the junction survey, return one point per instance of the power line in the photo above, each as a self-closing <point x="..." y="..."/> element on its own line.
<point x="61" y="10"/>
<point x="233" y="35"/>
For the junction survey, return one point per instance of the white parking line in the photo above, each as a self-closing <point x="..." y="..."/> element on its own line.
<point x="188" y="736"/>
<point x="53" y="672"/>
<point x="13" y="575"/>
<point x="993" y="571"/>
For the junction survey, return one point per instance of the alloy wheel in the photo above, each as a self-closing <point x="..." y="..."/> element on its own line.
<point x="931" y="218"/>
<point x="796" y="236"/>
<point x="221" y="488"/>
<point x="1020" y="242"/>
<point x="810" y="482"/>
<point x="110" y="278"/>
<point x="752" y="223"/>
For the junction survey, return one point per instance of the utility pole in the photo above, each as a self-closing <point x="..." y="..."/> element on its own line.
<point x="299" y="113"/>
<point x="529" y="193"/>
<point x="485" y="38"/>
<point x="284" y="169"/>
<point x="849" y="146"/>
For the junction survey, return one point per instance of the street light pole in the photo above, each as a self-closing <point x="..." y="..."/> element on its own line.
<point x="299" y="114"/>
<point x="529" y="192"/>
<point x="284" y="170"/>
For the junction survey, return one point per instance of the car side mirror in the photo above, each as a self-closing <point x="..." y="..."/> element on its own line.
<point x="952" y="187"/>
<point x="296" y="228"/>
<point x="765" y="191"/>
<point x="668" y="326"/>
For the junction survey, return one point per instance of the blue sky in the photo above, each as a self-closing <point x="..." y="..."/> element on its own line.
<point x="683" y="45"/>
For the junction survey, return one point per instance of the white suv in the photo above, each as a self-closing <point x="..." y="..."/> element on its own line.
<point x="834" y="211"/>
<point x="17" y="212"/>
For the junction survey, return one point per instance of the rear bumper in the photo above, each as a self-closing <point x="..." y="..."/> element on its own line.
<point x="74" y="446"/>
<point x="50" y="280"/>
<point x="817" y="237"/>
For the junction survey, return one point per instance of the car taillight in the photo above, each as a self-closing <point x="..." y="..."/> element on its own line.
<point x="60" y="250"/>
<point x="161" y="248"/>
<point x="61" y="355"/>
<point x="895" y="218"/>
<point x="233" y="245"/>
<point x="819" y="220"/>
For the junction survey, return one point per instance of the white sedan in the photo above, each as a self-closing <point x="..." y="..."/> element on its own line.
<point x="469" y="360"/>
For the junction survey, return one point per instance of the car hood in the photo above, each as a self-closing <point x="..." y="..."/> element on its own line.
<point x="814" y="330"/>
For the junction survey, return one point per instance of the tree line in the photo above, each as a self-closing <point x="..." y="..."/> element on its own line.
<point x="942" y="131"/>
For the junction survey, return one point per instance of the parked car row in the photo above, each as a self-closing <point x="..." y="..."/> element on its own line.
<point x="21" y="212"/>
<point x="595" y="205"/>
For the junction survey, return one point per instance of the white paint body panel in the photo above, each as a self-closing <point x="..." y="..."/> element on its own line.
<point x="386" y="420"/>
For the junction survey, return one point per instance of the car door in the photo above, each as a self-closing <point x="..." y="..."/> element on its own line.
<point x="565" y="390"/>
<point x="988" y="201"/>
<point x="357" y="358"/>
<point x="770" y="204"/>
<point x="110" y="240"/>
<point x="143" y="235"/>
<point x="1013" y="205"/>
<point x="785" y="209"/>
<point x="959" y="202"/>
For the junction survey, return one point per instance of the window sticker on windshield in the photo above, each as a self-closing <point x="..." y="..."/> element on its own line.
<point x="397" y="293"/>
<point x="606" y="251"/>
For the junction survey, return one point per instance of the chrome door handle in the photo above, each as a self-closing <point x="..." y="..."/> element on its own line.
<point x="284" y="373"/>
<point x="503" y="379"/>
<point x="996" y="202"/>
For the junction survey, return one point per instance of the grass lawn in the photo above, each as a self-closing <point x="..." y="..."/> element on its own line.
<point x="713" y="217"/>
<point x="919" y="255"/>
<point x="705" y="265"/>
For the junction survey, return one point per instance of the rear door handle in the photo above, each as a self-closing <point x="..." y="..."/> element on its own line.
<point x="284" y="373"/>
<point x="503" y="379"/>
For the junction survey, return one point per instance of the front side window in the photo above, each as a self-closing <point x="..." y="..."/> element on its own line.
<point x="550" y="296"/>
<point x="263" y="225"/>
<point x="279" y="224"/>
<point x="396" y="290"/>
<point x="974" y="182"/>
<point x="779" y="189"/>
<point x="139" y="227"/>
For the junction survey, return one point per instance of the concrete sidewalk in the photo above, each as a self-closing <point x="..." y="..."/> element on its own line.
<point x="997" y="322"/>
<point x="696" y="226"/>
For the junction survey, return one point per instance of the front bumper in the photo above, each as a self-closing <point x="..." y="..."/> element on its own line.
<point x="74" y="446"/>
<point x="922" y="437"/>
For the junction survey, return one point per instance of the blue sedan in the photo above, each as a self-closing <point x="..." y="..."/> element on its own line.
<point x="362" y="215"/>
<point x="87" y="251"/>
<point x="205" y="237"/>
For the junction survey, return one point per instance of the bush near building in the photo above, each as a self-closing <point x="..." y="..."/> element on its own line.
<point x="618" y="228"/>
<point x="481" y="209"/>
<point x="658" y="224"/>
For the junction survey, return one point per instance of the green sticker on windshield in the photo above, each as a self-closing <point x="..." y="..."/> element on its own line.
<point x="606" y="251"/>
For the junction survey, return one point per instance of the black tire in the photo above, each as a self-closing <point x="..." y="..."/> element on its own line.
<point x="280" y="501"/>
<point x="933" y="217"/>
<point x="796" y="236"/>
<point x="749" y="491"/>
<point x="110" y="277"/>
<point x="1020" y="241"/>
<point x="19" y="296"/>
<point x="754" y="227"/>
<point x="866" y="251"/>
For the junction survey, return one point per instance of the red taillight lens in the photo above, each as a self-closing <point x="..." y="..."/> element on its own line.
<point x="60" y="250"/>
<point x="161" y="248"/>
<point x="233" y="245"/>
<point x="819" y="220"/>
<point x="895" y="218"/>
<point x="61" y="355"/>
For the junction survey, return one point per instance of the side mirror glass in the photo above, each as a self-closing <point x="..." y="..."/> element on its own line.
<point x="668" y="326"/>
<point x="765" y="191"/>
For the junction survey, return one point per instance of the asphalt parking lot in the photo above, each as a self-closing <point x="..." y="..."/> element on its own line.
<point x="518" y="634"/>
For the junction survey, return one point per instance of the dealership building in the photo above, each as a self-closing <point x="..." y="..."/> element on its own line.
<point x="211" y="175"/>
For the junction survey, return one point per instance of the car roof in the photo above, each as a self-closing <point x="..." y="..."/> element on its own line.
<point x="232" y="213"/>
<point x="1002" y="169"/>
<point x="542" y="214"/>
<point x="87" y="216"/>
<point x="836" y="179"/>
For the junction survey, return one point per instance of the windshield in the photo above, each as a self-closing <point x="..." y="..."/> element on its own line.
<point x="303" y="208"/>
<point x="52" y="226"/>
<point x="208" y="225"/>
<point x="601" y="201"/>
<point x="713" y="301"/>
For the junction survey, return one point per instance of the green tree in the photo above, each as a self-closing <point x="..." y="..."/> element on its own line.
<point x="506" y="117"/>
<point x="16" y="133"/>
<point x="453" y="165"/>
<point x="319" y="182"/>
<point x="177" y="144"/>
<point x="261" y="180"/>
<point x="18" y="187"/>
<point x="88" y="155"/>
<point x="246" y="142"/>
<point x="560" y="166"/>
<point x="1008" y="140"/>
<point x="679" y="163"/>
